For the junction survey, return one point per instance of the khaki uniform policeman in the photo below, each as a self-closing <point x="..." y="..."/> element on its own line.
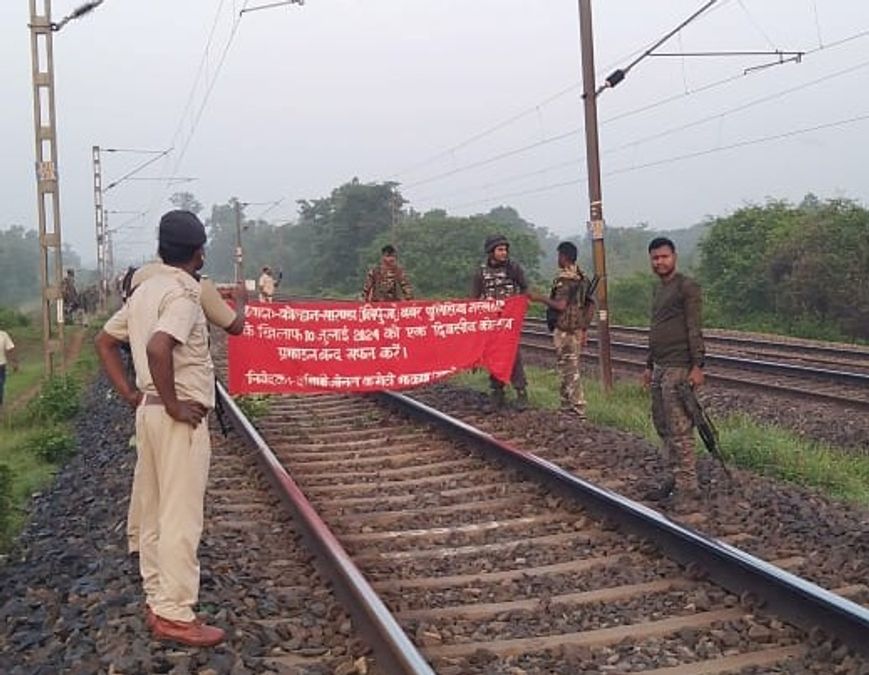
<point x="164" y="323"/>
<point x="388" y="281"/>
<point x="266" y="285"/>
<point x="676" y="354"/>
<point x="497" y="278"/>
<point x="219" y="314"/>
<point x="7" y="354"/>
<point x="568" y="298"/>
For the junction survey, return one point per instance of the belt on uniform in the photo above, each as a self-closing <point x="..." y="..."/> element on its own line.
<point x="151" y="399"/>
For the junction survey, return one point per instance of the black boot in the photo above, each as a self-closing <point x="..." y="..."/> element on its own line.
<point x="498" y="399"/>
<point x="522" y="399"/>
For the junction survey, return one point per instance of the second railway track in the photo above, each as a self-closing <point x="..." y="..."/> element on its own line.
<point x="488" y="570"/>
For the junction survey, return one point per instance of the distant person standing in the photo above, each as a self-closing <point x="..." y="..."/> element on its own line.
<point x="498" y="278"/>
<point x="7" y="357"/>
<point x="165" y="325"/>
<point x="676" y="355"/>
<point x="266" y="285"/>
<point x="387" y="282"/>
<point x="570" y="302"/>
<point x="70" y="296"/>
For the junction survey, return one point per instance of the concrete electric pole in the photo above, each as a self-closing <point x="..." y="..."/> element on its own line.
<point x="595" y="196"/>
<point x="47" y="186"/>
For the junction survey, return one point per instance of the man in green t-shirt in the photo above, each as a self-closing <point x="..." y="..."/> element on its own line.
<point x="676" y="354"/>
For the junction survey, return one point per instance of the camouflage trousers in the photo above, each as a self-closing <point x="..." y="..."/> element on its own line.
<point x="517" y="377"/>
<point x="673" y="425"/>
<point x="568" y="349"/>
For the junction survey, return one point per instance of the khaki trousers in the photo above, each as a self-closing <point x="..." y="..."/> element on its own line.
<point x="169" y="495"/>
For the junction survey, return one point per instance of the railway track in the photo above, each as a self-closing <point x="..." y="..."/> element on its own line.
<point x="843" y="387"/>
<point x="292" y="621"/>
<point x="454" y="562"/>
<point x="828" y="356"/>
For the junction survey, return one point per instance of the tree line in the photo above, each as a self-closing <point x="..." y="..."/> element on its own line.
<point x="799" y="269"/>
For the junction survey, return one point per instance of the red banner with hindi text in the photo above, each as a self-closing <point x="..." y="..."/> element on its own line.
<point x="342" y="346"/>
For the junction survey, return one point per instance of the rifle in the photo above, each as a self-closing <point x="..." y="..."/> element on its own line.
<point x="220" y="413"/>
<point x="703" y="422"/>
<point x="586" y="299"/>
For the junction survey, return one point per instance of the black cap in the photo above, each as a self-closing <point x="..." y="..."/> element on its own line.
<point x="182" y="228"/>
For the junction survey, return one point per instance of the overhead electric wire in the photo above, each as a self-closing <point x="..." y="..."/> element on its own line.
<point x="678" y="158"/>
<point x="523" y="113"/>
<point x="619" y="116"/>
<point x="207" y="96"/>
<point x="661" y="134"/>
<point x="139" y="168"/>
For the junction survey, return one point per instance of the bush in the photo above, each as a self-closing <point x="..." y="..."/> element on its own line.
<point x="5" y="503"/>
<point x="58" y="400"/>
<point x="11" y="318"/>
<point x="253" y="405"/>
<point x="52" y="445"/>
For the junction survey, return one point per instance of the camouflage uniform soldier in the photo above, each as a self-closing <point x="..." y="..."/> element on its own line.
<point x="569" y="300"/>
<point x="497" y="278"/>
<point x="676" y="354"/>
<point x="388" y="281"/>
<point x="69" y="295"/>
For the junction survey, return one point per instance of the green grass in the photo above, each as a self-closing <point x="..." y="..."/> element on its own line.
<point x="762" y="448"/>
<point x="31" y="431"/>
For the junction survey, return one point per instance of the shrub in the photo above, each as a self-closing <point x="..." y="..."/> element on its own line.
<point x="253" y="406"/>
<point x="5" y="503"/>
<point x="52" y="445"/>
<point x="11" y="318"/>
<point x="58" y="400"/>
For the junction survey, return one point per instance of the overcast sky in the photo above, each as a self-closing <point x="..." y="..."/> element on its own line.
<point x="309" y="97"/>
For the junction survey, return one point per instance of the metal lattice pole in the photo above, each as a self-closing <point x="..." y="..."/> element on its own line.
<point x="47" y="187"/>
<point x="100" y="228"/>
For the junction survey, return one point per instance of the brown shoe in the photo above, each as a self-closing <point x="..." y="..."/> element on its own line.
<point x="191" y="633"/>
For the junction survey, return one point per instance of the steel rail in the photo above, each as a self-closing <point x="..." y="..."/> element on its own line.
<point x="841" y="376"/>
<point x="394" y="650"/>
<point x="809" y="350"/>
<point x="726" y="379"/>
<point x="797" y="600"/>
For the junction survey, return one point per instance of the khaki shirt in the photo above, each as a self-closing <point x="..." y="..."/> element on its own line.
<point x="216" y="310"/>
<point x="267" y="284"/>
<point x="169" y="302"/>
<point x="5" y="345"/>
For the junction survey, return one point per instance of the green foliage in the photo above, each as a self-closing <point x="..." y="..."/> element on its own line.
<point x="441" y="253"/>
<point x="52" y="444"/>
<point x="630" y="299"/>
<point x="19" y="260"/>
<point x="802" y="268"/>
<point x="57" y="401"/>
<point x="6" y="504"/>
<point x="10" y="318"/>
<point x="253" y="405"/>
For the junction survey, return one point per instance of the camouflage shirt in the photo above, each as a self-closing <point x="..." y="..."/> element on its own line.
<point x="571" y="285"/>
<point x="384" y="284"/>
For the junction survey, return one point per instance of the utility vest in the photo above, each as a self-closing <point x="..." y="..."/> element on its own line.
<point x="498" y="283"/>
